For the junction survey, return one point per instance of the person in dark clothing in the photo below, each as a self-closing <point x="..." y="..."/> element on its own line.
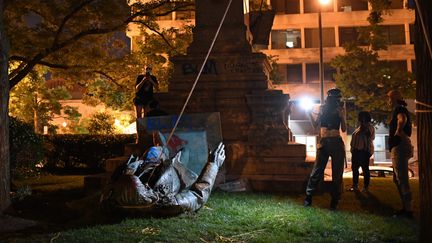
<point x="362" y="149"/>
<point x="154" y="110"/>
<point x="144" y="91"/>
<point x="401" y="149"/>
<point x="330" y="119"/>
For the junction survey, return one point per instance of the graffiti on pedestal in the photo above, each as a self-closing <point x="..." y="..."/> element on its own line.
<point x="191" y="68"/>
<point x="230" y="66"/>
<point x="244" y="66"/>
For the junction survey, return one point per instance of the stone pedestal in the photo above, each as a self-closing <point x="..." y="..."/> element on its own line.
<point x="235" y="83"/>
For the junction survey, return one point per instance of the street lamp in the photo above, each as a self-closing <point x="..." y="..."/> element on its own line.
<point x="321" y="64"/>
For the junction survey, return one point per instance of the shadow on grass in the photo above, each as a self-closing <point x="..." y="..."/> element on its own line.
<point x="56" y="211"/>
<point x="370" y="203"/>
<point x="61" y="210"/>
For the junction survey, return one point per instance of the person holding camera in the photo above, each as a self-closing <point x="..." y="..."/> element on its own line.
<point x="144" y="91"/>
<point x="330" y="119"/>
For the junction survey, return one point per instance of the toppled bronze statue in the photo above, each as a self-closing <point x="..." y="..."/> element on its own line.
<point x="161" y="187"/>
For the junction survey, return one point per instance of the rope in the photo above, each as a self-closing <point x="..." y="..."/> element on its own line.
<point x="423" y="104"/>
<point x="195" y="83"/>
<point x="199" y="74"/>
<point x="425" y="33"/>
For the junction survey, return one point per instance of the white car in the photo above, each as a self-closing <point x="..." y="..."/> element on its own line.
<point x="379" y="171"/>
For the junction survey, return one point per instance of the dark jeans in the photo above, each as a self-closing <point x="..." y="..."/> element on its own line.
<point x="360" y="158"/>
<point x="328" y="147"/>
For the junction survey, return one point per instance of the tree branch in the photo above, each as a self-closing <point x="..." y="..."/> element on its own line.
<point x="97" y="31"/>
<point x="110" y="78"/>
<point x="67" y="17"/>
<point x="156" y="31"/>
<point x="64" y="66"/>
<point x="16" y="70"/>
<point x="44" y="63"/>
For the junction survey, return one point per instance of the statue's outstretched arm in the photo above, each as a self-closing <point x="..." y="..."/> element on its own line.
<point x="194" y="198"/>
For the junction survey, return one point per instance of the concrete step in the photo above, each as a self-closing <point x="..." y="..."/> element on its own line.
<point x="112" y="163"/>
<point x="135" y="149"/>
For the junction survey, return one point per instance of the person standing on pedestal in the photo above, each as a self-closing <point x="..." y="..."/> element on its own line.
<point x="144" y="91"/>
<point x="401" y="149"/>
<point x="330" y="119"/>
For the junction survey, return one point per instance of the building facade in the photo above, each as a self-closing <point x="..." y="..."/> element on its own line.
<point x="294" y="41"/>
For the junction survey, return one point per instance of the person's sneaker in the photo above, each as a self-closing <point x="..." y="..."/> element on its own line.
<point x="333" y="204"/>
<point x="353" y="189"/>
<point x="403" y="213"/>
<point x="307" y="201"/>
<point x="365" y="190"/>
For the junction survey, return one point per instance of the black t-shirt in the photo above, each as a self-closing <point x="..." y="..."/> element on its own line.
<point x="145" y="93"/>
<point x="329" y="118"/>
<point x="394" y="140"/>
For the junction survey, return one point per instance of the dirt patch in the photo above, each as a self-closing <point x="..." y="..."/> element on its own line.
<point x="13" y="224"/>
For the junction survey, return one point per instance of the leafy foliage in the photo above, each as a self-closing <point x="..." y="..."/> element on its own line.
<point x="33" y="102"/>
<point x="83" y="150"/>
<point x="101" y="123"/>
<point x="84" y="40"/>
<point x="367" y="80"/>
<point x="26" y="148"/>
<point x="73" y="118"/>
<point x="151" y="50"/>
<point x="363" y="77"/>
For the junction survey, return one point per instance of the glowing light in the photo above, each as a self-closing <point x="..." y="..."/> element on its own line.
<point x="131" y="129"/>
<point x="306" y="104"/>
<point x="64" y="124"/>
<point x="324" y="2"/>
<point x="117" y="122"/>
<point x="289" y="44"/>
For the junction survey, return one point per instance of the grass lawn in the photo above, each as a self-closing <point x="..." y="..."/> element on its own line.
<point x="227" y="217"/>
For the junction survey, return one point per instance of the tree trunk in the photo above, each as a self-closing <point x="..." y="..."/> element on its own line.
<point x="4" y="119"/>
<point x="424" y="119"/>
<point x="35" y="121"/>
<point x="36" y="114"/>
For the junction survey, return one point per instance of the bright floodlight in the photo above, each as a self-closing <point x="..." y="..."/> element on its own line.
<point x="306" y="104"/>
<point x="289" y="44"/>
<point x="324" y="2"/>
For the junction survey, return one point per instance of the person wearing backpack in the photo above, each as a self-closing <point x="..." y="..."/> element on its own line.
<point x="362" y="149"/>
